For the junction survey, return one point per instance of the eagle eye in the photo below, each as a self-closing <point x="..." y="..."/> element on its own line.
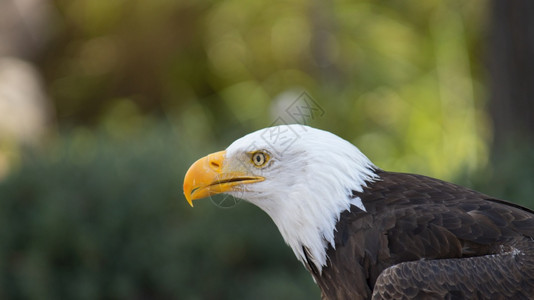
<point x="259" y="158"/>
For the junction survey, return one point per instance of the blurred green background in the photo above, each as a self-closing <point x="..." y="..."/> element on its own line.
<point x="105" y="104"/>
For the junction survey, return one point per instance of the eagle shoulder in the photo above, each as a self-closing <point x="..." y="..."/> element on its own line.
<point x="417" y="223"/>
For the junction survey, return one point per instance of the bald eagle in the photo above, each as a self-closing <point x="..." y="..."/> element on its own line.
<point x="365" y="233"/>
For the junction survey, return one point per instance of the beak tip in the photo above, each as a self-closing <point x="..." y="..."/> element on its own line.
<point x="188" y="198"/>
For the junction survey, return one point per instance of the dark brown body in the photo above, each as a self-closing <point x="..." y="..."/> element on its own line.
<point x="422" y="238"/>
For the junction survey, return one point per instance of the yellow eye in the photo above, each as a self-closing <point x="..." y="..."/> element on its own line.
<point x="259" y="159"/>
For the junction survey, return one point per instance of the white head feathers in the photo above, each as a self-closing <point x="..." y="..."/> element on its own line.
<point x="309" y="181"/>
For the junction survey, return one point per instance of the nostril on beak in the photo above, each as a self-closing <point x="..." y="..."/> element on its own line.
<point x="215" y="165"/>
<point x="215" y="161"/>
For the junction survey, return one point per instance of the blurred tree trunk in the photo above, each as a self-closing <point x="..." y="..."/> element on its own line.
<point x="511" y="63"/>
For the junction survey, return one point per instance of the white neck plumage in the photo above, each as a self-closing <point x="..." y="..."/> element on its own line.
<point x="308" y="184"/>
<point x="308" y="214"/>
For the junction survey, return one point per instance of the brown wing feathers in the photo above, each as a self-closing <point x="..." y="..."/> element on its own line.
<point x="503" y="276"/>
<point x="433" y="239"/>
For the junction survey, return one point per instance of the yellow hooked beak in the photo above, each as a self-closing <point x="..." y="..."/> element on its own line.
<point x="210" y="175"/>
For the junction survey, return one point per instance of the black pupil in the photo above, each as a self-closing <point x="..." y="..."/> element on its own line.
<point x="259" y="158"/>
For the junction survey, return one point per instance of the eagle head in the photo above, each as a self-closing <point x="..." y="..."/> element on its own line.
<point x="302" y="177"/>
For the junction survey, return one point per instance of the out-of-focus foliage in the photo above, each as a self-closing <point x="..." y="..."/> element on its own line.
<point x="509" y="177"/>
<point x="400" y="79"/>
<point x="96" y="217"/>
